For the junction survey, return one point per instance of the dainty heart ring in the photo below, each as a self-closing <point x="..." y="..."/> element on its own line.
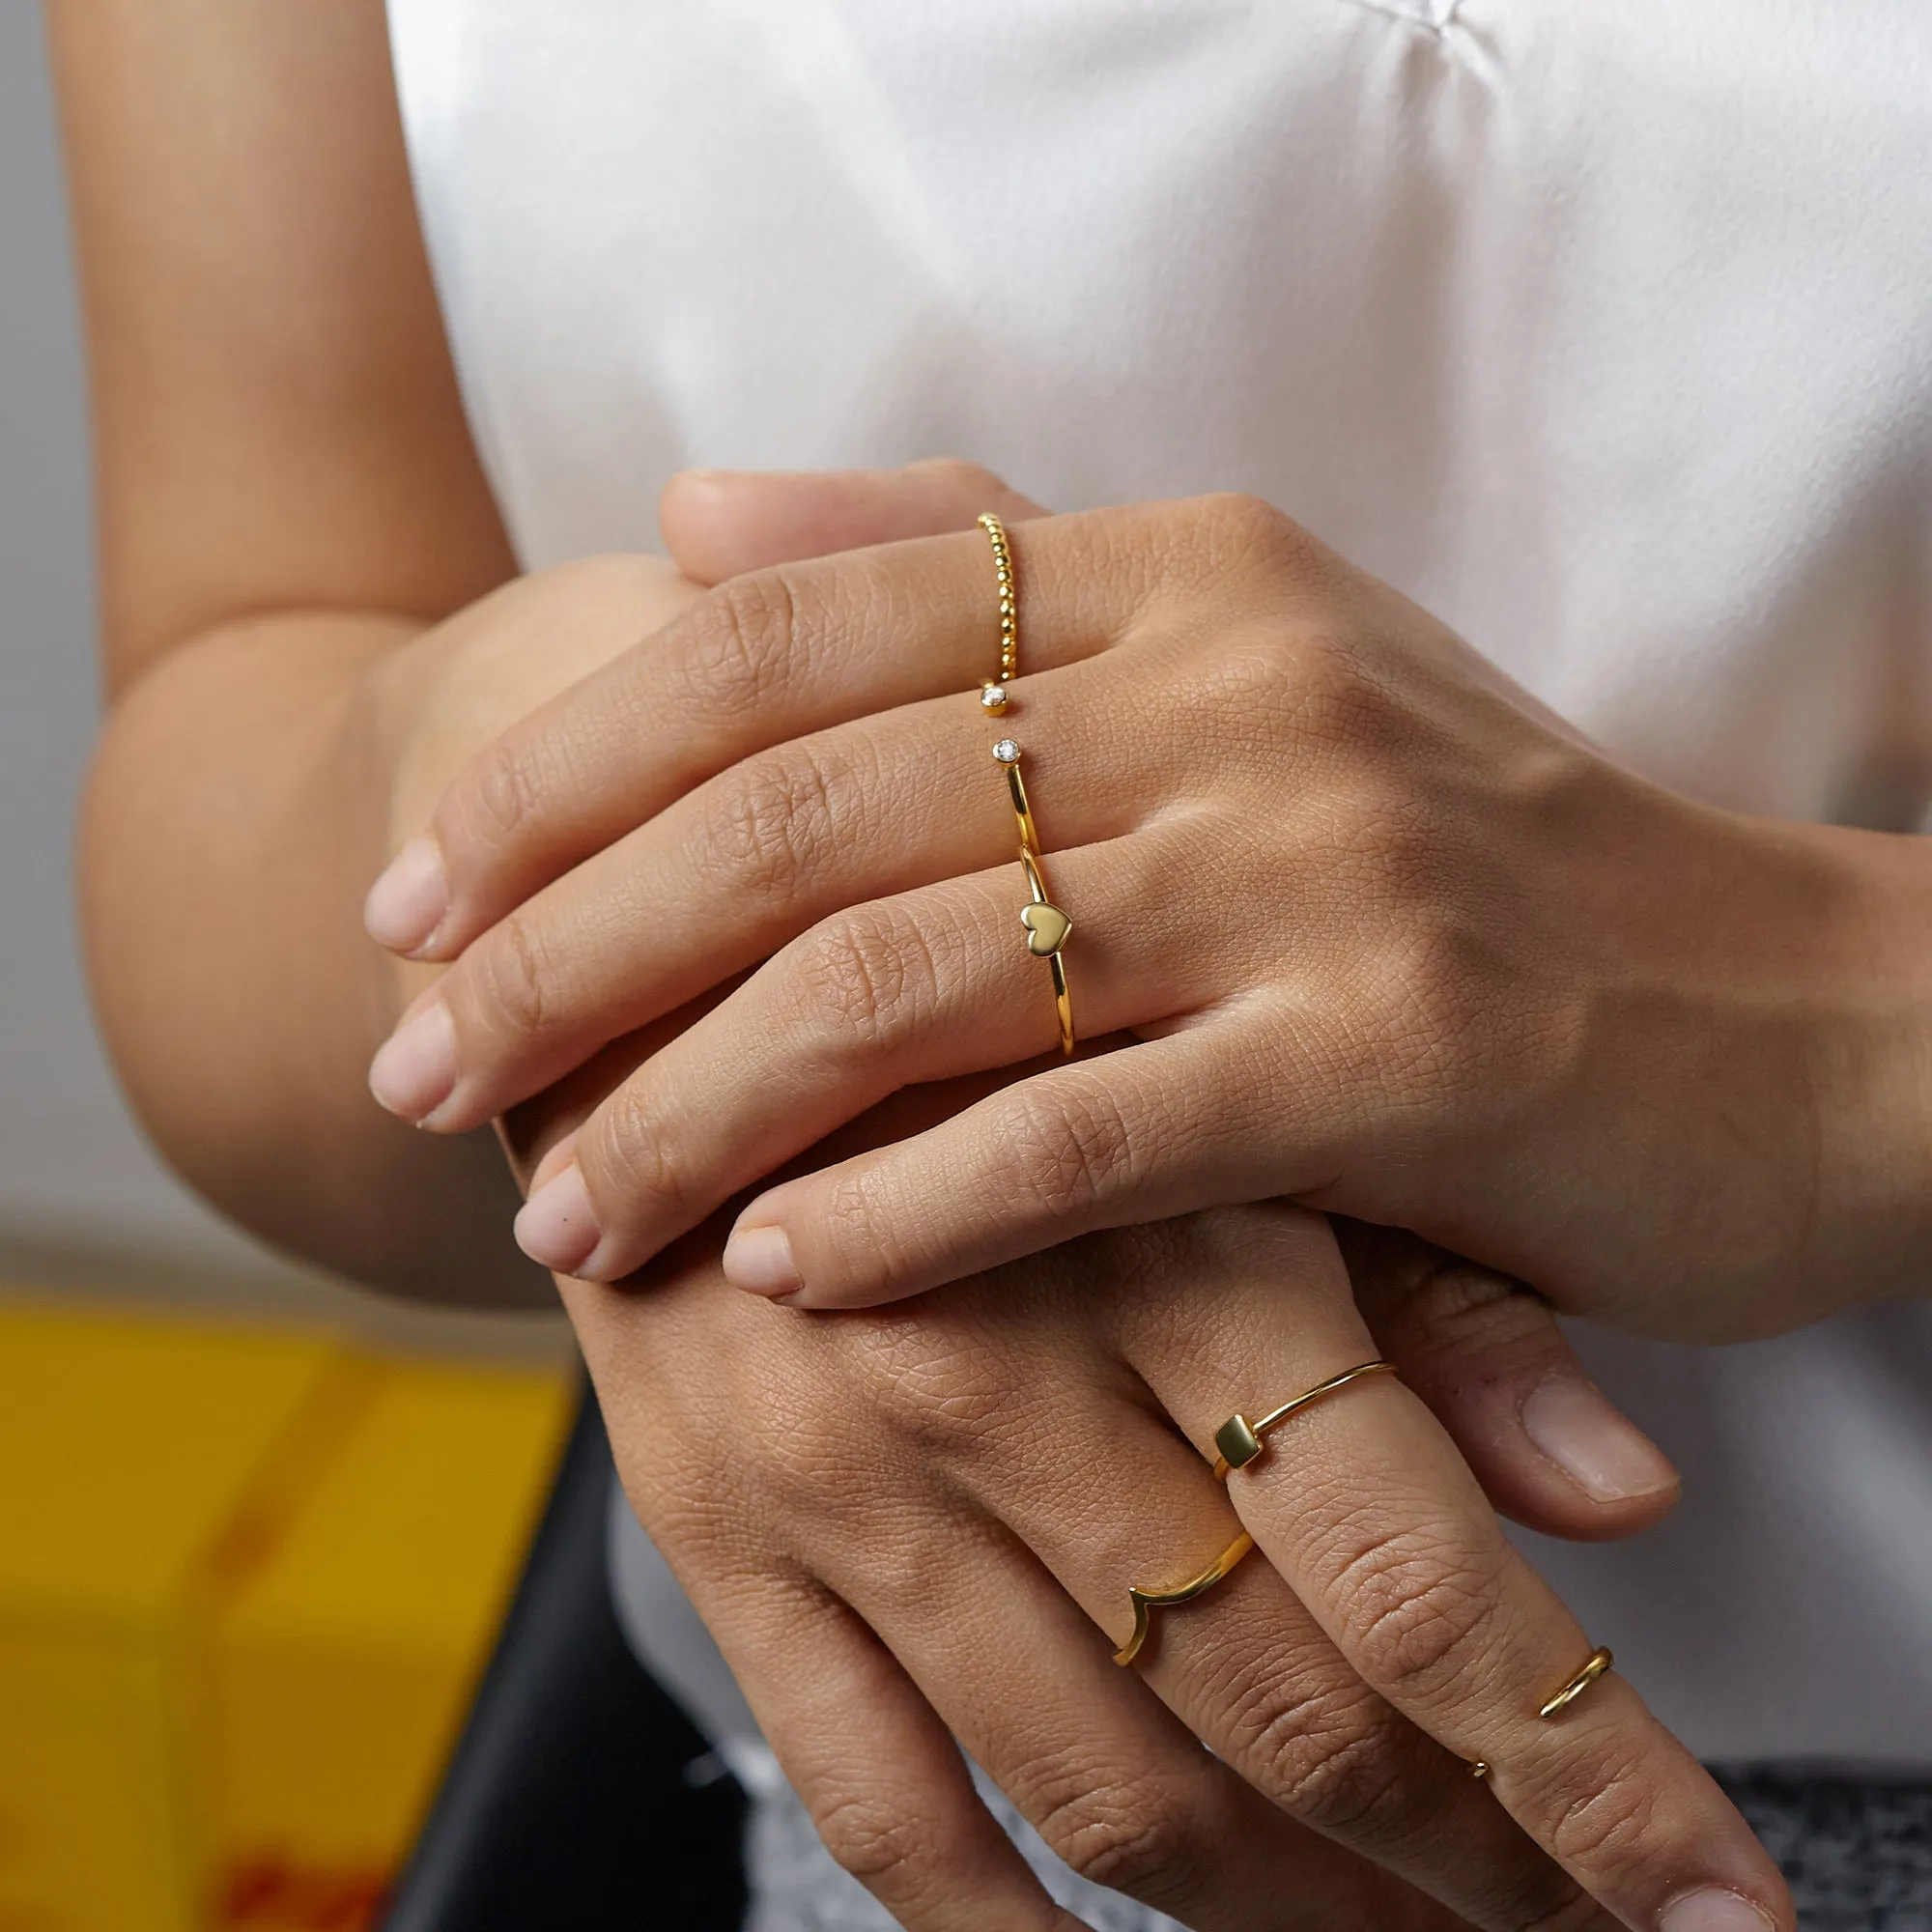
<point x="1238" y="1440"/>
<point x="1147" y="1601"/>
<point x="1047" y="925"/>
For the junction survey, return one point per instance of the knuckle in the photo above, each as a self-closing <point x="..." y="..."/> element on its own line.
<point x="1415" y="1614"/>
<point x="944" y="1385"/>
<point x="501" y="801"/>
<point x="865" y="980"/>
<point x="1240" y="530"/>
<point x="1129" y="1834"/>
<point x="631" y="1165"/>
<point x="1332" y="1762"/>
<point x="1336" y="703"/>
<point x="1071" y="1146"/>
<point x="770" y="823"/>
<point x="514" y="979"/>
<point x="1609" y="1825"/>
<point x="873" y="1838"/>
<point x="880" y="1226"/>
<point x="735" y="650"/>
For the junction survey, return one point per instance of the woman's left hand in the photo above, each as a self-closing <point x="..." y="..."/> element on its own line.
<point x="1366" y="925"/>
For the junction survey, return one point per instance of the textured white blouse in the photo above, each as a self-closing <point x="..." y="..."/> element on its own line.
<point x="1602" y="328"/>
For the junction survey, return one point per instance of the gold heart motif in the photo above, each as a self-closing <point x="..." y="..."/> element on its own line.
<point x="1047" y="927"/>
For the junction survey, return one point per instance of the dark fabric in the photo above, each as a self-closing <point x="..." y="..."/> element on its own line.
<point x="1857" y="1853"/>
<point x="579" y="1796"/>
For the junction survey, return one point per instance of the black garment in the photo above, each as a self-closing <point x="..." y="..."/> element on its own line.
<point x="579" y="1798"/>
<point x="1857" y="1853"/>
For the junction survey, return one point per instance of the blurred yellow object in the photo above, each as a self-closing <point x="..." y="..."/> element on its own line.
<point x="246" y="1581"/>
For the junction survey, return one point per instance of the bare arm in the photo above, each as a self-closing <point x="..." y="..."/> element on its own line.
<point x="289" y="501"/>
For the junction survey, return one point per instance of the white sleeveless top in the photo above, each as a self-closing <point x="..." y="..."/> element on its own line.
<point x="1602" y="331"/>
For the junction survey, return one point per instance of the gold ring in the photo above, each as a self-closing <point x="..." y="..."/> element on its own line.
<point x="993" y="690"/>
<point x="1047" y="925"/>
<point x="1239" y="1440"/>
<point x="1147" y="1601"/>
<point x="1599" y="1661"/>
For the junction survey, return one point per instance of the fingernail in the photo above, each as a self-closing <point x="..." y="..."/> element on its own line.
<point x="557" y="1227"/>
<point x="414" y="1069"/>
<point x="1577" y="1428"/>
<point x="760" y="1259"/>
<point x="407" y="904"/>
<point x="1713" y="1911"/>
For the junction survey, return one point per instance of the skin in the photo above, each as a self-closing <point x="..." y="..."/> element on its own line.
<point x="1481" y="982"/>
<point x="312" y="624"/>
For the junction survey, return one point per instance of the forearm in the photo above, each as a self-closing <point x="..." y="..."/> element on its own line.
<point x="238" y="805"/>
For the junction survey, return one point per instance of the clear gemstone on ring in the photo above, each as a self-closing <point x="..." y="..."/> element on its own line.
<point x="1006" y="752"/>
<point x="994" y="698"/>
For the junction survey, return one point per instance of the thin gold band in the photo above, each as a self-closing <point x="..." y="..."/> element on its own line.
<point x="1599" y="1661"/>
<point x="1240" y="1441"/>
<point x="1147" y="1601"/>
<point x="993" y="692"/>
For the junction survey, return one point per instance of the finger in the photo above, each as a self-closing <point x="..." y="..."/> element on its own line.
<point x="922" y="987"/>
<point x="1362" y="1504"/>
<point x="1157" y="1130"/>
<point x="735" y="870"/>
<point x="1248" y="1671"/>
<point x="1120" y="1789"/>
<point x="878" y="1772"/>
<point x="722" y="523"/>
<point x="1485" y="1352"/>
<point x="775" y="655"/>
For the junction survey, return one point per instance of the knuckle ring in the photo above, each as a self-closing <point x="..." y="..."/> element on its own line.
<point x="1047" y="926"/>
<point x="1599" y="1661"/>
<point x="1147" y="1601"/>
<point x="1240" y="1441"/>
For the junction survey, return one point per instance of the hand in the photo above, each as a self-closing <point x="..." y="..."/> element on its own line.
<point x="893" y="1525"/>
<point x="1383" y="937"/>
<point x="1485" y="1353"/>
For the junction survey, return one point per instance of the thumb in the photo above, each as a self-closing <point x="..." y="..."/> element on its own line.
<point x="1485" y="1352"/>
<point x="719" y="522"/>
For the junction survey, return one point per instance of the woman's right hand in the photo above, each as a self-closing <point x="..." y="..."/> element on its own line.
<point x="902" y="1525"/>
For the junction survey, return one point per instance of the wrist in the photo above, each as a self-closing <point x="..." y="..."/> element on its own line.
<point x="1874" y="1067"/>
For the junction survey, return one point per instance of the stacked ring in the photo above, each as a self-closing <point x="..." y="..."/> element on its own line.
<point x="1046" y="926"/>
<point x="993" y="690"/>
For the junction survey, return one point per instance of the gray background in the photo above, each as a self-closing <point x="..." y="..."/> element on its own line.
<point x="84" y="1202"/>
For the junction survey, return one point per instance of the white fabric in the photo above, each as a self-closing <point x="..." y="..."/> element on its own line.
<point x="1603" y="328"/>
